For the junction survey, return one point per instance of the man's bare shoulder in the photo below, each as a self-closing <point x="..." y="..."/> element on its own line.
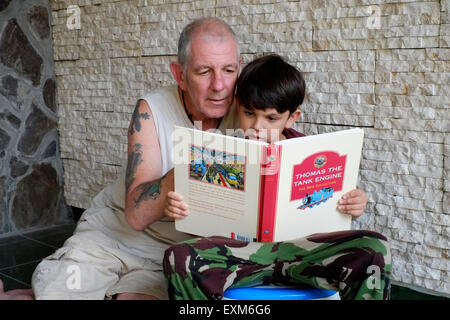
<point x="141" y="113"/>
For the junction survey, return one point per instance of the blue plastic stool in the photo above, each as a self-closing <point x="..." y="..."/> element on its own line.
<point x="273" y="292"/>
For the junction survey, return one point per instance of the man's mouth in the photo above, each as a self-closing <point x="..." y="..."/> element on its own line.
<point x="217" y="101"/>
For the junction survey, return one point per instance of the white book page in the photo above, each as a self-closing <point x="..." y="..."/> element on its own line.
<point x="218" y="176"/>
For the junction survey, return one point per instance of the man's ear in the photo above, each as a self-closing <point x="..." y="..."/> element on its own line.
<point x="292" y="118"/>
<point x="178" y="74"/>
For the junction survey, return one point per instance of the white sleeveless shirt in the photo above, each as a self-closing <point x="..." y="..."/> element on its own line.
<point x="167" y="111"/>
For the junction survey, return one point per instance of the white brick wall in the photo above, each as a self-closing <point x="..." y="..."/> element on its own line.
<point x="383" y="65"/>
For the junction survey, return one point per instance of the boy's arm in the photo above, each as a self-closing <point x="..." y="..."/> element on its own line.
<point x="146" y="188"/>
<point x="353" y="203"/>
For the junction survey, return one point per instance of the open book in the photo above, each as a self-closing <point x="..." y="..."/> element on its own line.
<point x="250" y="190"/>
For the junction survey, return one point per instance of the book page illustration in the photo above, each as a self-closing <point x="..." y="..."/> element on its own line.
<point x="217" y="167"/>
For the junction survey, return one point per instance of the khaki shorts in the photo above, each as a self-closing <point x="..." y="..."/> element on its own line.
<point x="104" y="257"/>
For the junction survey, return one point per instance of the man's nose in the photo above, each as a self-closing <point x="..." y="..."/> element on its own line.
<point x="218" y="83"/>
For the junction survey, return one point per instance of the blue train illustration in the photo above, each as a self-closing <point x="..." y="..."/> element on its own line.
<point x="198" y="167"/>
<point x="316" y="198"/>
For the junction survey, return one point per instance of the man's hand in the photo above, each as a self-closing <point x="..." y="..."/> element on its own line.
<point x="353" y="203"/>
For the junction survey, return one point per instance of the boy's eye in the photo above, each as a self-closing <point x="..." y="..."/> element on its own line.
<point x="249" y="113"/>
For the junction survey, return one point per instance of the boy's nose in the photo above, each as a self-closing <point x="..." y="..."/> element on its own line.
<point x="257" y="124"/>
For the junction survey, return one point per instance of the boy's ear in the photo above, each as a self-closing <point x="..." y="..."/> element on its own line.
<point x="292" y="118"/>
<point x="178" y="74"/>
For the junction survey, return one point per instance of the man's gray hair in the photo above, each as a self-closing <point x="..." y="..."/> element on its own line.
<point x="206" y="27"/>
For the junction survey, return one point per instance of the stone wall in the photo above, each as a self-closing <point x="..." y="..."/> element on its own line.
<point x="377" y="64"/>
<point x="31" y="174"/>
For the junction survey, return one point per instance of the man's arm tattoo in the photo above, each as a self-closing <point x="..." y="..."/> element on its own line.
<point x="136" y="120"/>
<point x="151" y="189"/>
<point x="134" y="159"/>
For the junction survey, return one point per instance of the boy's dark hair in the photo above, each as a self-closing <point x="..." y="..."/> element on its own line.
<point x="270" y="82"/>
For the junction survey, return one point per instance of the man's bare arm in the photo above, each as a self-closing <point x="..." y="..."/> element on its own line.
<point x="146" y="189"/>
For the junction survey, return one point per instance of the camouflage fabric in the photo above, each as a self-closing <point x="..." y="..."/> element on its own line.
<point x="356" y="263"/>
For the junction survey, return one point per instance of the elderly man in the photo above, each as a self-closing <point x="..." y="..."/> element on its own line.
<point x="118" y="246"/>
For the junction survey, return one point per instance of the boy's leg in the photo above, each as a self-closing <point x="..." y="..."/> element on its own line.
<point x="355" y="262"/>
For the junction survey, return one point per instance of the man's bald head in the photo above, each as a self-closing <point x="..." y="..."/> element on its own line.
<point x="208" y="29"/>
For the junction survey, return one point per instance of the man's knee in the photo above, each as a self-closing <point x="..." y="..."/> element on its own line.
<point x="56" y="279"/>
<point x="61" y="277"/>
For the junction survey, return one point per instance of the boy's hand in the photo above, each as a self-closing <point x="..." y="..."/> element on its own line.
<point x="175" y="206"/>
<point x="353" y="202"/>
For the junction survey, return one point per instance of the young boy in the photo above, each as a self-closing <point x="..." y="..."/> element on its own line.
<point x="268" y="94"/>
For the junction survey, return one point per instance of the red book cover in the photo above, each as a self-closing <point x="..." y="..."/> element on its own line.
<point x="269" y="191"/>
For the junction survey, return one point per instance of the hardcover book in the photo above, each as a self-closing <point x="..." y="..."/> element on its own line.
<point x="252" y="191"/>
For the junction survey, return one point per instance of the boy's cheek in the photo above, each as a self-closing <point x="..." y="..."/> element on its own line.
<point x="243" y="123"/>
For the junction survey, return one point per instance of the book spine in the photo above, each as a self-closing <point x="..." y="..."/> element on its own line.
<point x="270" y="169"/>
<point x="261" y="197"/>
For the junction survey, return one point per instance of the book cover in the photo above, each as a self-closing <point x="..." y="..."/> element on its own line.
<point x="252" y="191"/>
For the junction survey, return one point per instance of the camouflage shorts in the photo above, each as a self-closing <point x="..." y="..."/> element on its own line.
<point x="356" y="263"/>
